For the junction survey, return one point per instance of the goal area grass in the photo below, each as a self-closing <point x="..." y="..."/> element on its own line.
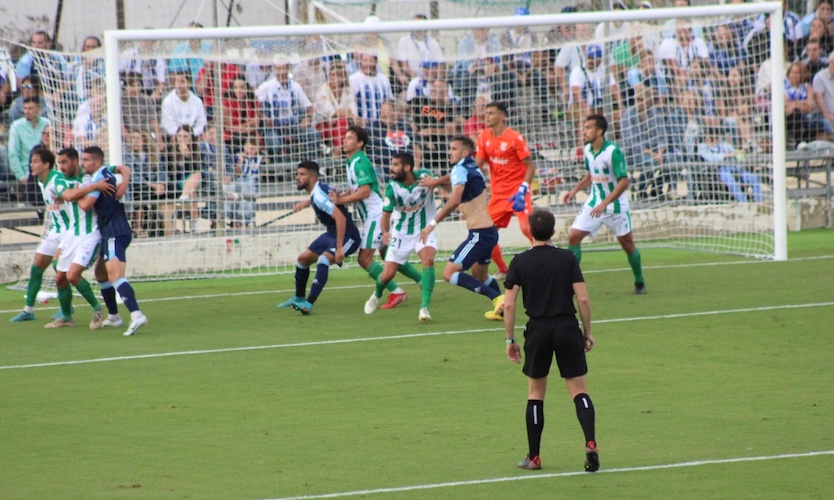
<point x="717" y="383"/>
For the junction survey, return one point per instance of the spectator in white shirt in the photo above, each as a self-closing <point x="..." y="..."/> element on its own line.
<point x="154" y="71"/>
<point x="412" y="50"/>
<point x="679" y="52"/>
<point x="182" y="107"/>
<point x="370" y="87"/>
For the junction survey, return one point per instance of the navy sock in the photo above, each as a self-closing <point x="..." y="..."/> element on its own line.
<point x="322" y="272"/>
<point x="302" y="274"/>
<point x="470" y="283"/>
<point x="127" y="294"/>
<point x="493" y="283"/>
<point x="108" y="293"/>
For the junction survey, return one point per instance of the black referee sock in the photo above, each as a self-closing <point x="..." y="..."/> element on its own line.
<point x="535" y="426"/>
<point x="587" y="416"/>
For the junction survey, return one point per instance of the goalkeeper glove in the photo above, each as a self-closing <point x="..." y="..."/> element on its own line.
<point x="518" y="200"/>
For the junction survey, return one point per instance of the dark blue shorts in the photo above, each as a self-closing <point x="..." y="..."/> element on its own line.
<point x="477" y="248"/>
<point x="114" y="248"/>
<point x="326" y="243"/>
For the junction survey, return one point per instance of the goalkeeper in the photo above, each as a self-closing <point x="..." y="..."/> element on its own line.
<point x="511" y="170"/>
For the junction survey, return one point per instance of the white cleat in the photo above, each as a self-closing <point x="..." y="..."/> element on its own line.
<point x="98" y="317"/>
<point x="113" y="323"/>
<point x="424" y="315"/>
<point x="371" y="304"/>
<point x="135" y="324"/>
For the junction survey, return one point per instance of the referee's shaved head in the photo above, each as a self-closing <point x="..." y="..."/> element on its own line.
<point x="542" y="224"/>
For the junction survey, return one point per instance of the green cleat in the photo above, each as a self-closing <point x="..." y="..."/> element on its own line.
<point x="303" y="307"/>
<point x="291" y="302"/>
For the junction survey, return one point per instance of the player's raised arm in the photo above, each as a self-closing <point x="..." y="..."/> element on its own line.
<point x="360" y="194"/>
<point x="124" y="171"/>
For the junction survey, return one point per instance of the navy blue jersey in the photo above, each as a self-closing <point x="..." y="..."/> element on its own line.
<point x="324" y="209"/>
<point x="466" y="172"/>
<point x="112" y="220"/>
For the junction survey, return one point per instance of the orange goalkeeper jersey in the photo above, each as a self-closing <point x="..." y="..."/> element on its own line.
<point x="504" y="154"/>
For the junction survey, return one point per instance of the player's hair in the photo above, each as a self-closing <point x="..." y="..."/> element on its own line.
<point x="310" y="166"/>
<point x="500" y="106"/>
<point x="466" y="142"/>
<point x="406" y="159"/>
<point x="70" y="153"/>
<point x="599" y="122"/>
<point x="360" y="133"/>
<point x="542" y="223"/>
<point x="45" y="155"/>
<point x="94" y="151"/>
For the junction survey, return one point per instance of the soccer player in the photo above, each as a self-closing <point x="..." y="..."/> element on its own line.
<point x="42" y="162"/>
<point x="415" y="207"/>
<point x="511" y="170"/>
<point x="340" y="239"/>
<point x="79" y="246"/>
<point x="116" y="236"/>
<point x="549" y="278"/>
<point x="367" y="205"/>
<point x="469" y="195"/>
<point x="608" y="201"/>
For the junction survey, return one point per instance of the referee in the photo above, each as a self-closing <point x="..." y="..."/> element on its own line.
<point x="550" y="277"/>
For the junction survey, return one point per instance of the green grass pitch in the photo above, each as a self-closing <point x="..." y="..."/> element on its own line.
<point x="717" y="384"/>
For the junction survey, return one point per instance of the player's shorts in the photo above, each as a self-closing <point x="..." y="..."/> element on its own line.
<point x="81" y="250"/>
<point x="326" y="243"/>
<point x="50" y="243"/>
<point x="402" y="246"/>
<point x="371" y="235"/>
<point x="618" y="224"/>
<point x="560" y="336"/>
<point x="115" y="248"/>
<point x="501" y="210"/>
<point x="477" y="248"/>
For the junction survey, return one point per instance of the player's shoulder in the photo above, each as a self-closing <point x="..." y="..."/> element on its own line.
<point x="421" y="173"/>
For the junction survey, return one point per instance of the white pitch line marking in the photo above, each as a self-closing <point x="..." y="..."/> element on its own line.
<point x="451" y="484"/>
<point x="395" y="337"/>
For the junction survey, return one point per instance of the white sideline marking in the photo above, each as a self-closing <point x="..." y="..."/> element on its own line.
<point x="396" y="337"/>
<point x="351" y="287"/>
<point x="557" y="474"/>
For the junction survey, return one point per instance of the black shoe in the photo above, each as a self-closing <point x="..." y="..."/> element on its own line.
<point x="640" y="289"/>
<point x="591" y="460"/>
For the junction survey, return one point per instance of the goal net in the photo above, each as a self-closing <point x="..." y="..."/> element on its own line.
<point x="214" y="121"/>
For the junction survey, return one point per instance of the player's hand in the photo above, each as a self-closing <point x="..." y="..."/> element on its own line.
<point x="301" y="205"/>
<point x="519" y="200"/>
<point x="334" y="197"/>
<point x="428" y="181"/>
<point x="424" y="234"/>
<point x="386" y="239"/>
<point x="598" y="210"/>
<point x="105" y="187"/>
<point x="589" y="342"/>
<point x="340" y="256"/>
<point x="568" y="197"/>
<point x="514" y="352"/>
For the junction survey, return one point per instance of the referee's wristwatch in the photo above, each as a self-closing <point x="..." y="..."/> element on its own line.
<point x="509" y="341"/>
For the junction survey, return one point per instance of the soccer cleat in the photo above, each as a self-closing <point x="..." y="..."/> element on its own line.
<point x="591" y="458"/>
<point x="291" y="302"/>
<point x="371" y="304"/>
<point x="60" y="323"/>
<point x="394" y="300"/>
<point x="23" y="316"/>
<point x="58" y="314"/>
<point x="528" y="463"/>
<point x="97" y="320"/>
<point x="303" y="307"/>
<point x="115" y="323"/>
<point x="499" y="276"/>
<point x="490" y="315"/>
<point x="640" y="289"/>
<point x="135" y="324"/>
<point x="424" y="315"/>
<point x="497" y="314"/>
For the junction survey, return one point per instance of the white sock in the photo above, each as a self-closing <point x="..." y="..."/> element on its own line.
<point x="29" y="309"/>
<point x="136" y="314"/>
<point x="114" y="317"/>
<point x="398" y="290"/>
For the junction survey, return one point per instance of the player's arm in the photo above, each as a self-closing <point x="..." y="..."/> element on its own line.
<point x="451" y="204"/>
<point x="510" y="297"/>
<point x="583" y="303"/>
<point x="581" y="185"/>
<point x="519" y="199"/>
<point x="433" y="182"/>
<point x="341" y="227"/>
<point x="79" y="193"/>
<point x="360" y="194"/>
<point x="301" y="205"/>
<point x="121" y="189"/>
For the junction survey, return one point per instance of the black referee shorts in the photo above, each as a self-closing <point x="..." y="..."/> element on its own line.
<point x="560" y="336"/>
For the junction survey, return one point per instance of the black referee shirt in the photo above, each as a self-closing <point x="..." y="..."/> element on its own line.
<point x="546" y="275"/>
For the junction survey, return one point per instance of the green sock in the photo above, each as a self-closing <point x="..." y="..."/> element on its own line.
<point x="410" y="272"/>
<point x="577" y="250"/>
<point x="65" y="298"/>
<point x="636" y="266"/>
<point x="86" y="291"/>
<point x="379" y="288"/>
<point x="374" y="270"/>
<point x="34" y="286"/>
<point x="428" y="285"/>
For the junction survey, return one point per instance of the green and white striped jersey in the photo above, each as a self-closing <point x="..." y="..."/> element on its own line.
<point x="360" y="171"/>
<point x="606" y="167"/>
<point x="414" y="204"/>
<point x="81" y="222"/>
<point x="59" y="210"/>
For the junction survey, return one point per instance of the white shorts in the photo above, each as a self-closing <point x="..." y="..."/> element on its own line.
<point x="371" y="235"/>
<point x="50" y="243"/>
<point x="403" y="245"/>
<point x="81" y="250"/>
<point x="618" y="224"/>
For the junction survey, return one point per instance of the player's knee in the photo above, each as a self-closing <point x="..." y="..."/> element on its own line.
<point x="365" y="259"/>
<point x="324" y="259"/>
<point x="61" y="280"/>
